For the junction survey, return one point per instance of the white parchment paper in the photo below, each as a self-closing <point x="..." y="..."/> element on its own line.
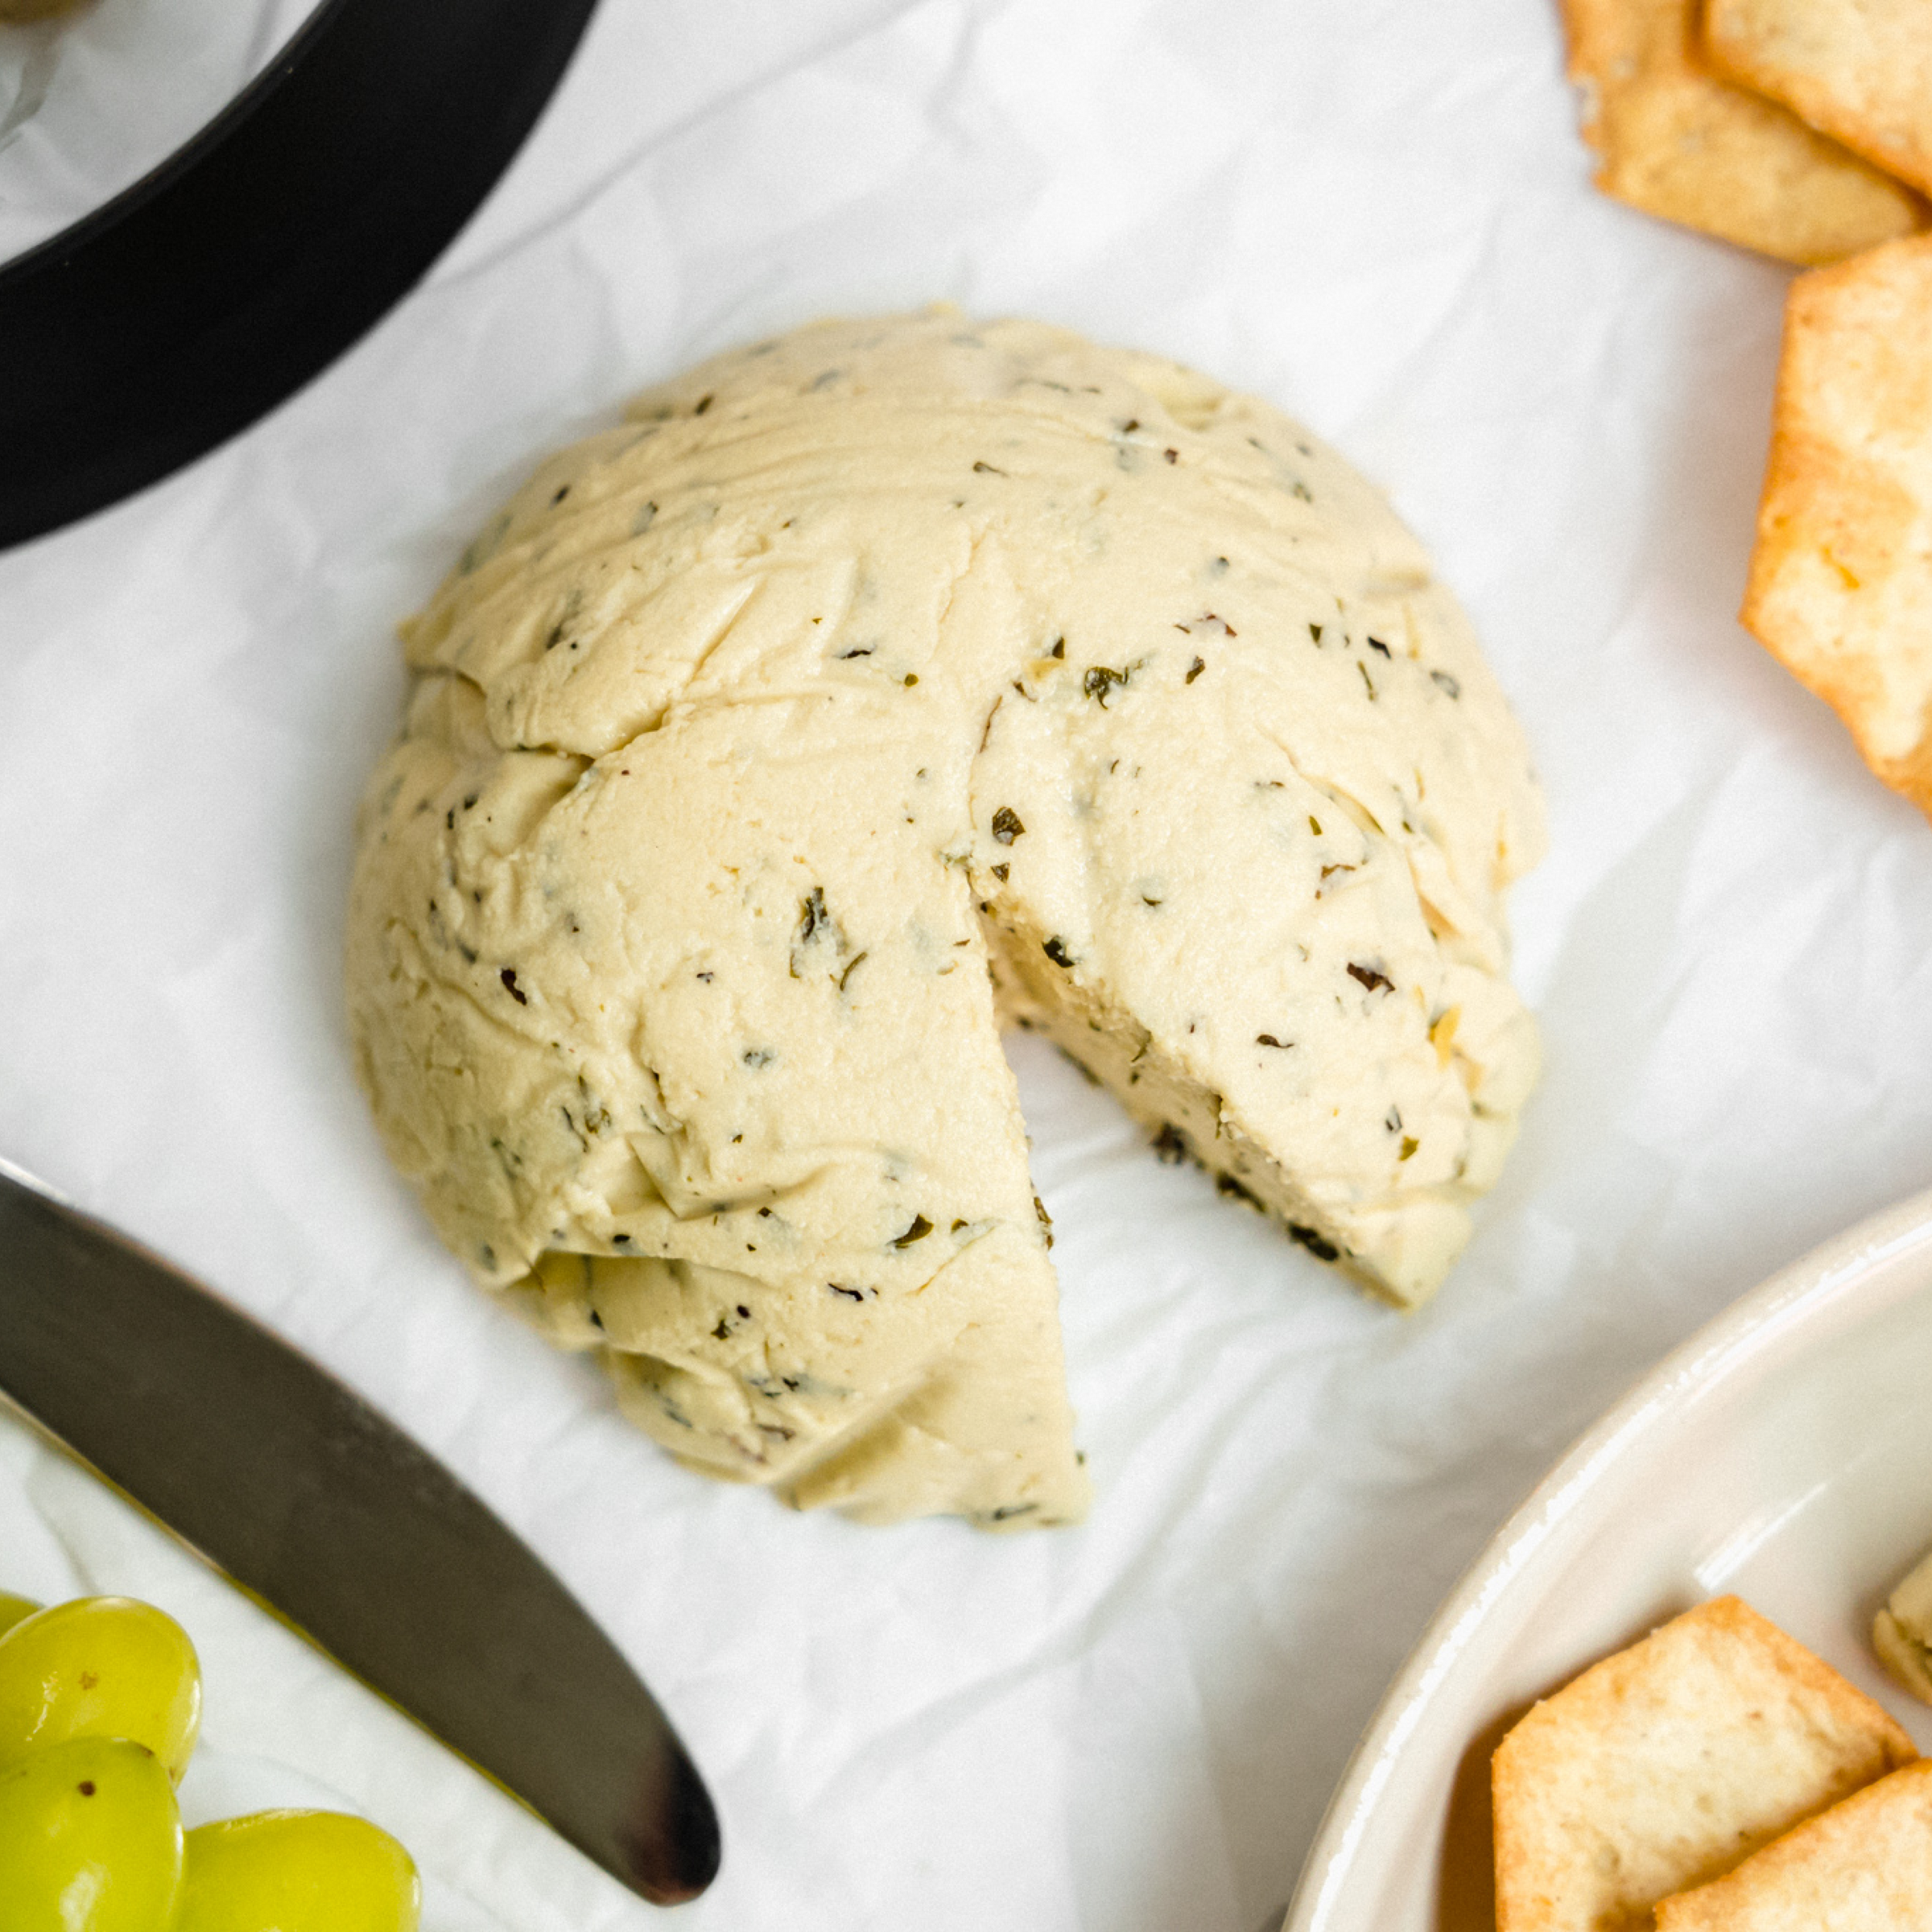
<point x="1374" y="211"/>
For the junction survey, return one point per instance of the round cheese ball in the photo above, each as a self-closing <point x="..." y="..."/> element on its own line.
<point x="868" y="689"/>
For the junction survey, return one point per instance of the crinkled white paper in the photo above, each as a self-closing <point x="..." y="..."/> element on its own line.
<point x="1377" y="214"/>
<point x="92" y="99"/>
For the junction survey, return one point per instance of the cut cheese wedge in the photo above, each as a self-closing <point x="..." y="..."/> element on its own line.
<point x="867" y="690"/>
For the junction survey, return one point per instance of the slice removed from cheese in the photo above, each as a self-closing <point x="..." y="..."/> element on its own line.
<point x="1901" y="1633"/>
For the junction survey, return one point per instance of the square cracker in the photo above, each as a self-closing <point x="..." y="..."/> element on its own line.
<point x="1840" y="589"/>
<point x="1676" y="141"/>
<point x="1666" y="1764"/>
<point x="1860" y="70"/>
<point x="1863" y="1866"/>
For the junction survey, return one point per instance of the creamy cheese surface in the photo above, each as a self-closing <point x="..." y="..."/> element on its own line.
<point x="867" y="689"/>
<point x="1901" y="1633"/>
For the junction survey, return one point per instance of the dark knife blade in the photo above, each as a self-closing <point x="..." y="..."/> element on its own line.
<point x="286" y="1480"/>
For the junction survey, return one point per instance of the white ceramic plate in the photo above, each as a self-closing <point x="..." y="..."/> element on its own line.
<point x="1784" y="1454"/>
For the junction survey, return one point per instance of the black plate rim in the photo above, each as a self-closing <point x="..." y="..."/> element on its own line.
<point x="169" y="319"/>
<point x="138" y="193"/>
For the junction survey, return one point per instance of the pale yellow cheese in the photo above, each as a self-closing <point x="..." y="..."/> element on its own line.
<point x="1901" y="1633"/>
<point x="747" y="726"/>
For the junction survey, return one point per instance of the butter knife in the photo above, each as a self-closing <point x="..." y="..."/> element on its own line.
<point x="286" y="1480"/>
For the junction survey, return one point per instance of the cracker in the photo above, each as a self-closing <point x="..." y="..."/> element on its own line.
<point x="1676" y="141"/>
<point x="1666" y="1764"/>
<point x="1860" y="70"/>
<point x="1863" y="1866"/>
<point x="1840" y="589"/>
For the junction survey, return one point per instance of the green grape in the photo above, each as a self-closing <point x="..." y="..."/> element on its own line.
<point x="13" y="1608"/>
<point x="90" y="1840"/>
<point x="297" y="1872"/>
<point x="100" y="1666"/>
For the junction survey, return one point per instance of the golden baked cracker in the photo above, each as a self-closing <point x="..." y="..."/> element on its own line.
<point x="1860" y="70"/>
<point x="1840" y="589"/>
<point x="1863" y="1866"/>
<point x="1666" y="1764"/>
<point x="1676" y="141"/>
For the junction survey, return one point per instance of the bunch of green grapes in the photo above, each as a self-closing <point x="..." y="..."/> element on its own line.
<point x="100" y="1706"/>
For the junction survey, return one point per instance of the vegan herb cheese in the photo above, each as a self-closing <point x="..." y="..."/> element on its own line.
<point x="865" y="689"/>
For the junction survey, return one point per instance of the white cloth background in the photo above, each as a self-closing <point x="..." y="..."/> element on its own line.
<point x="1377" y="214"/>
